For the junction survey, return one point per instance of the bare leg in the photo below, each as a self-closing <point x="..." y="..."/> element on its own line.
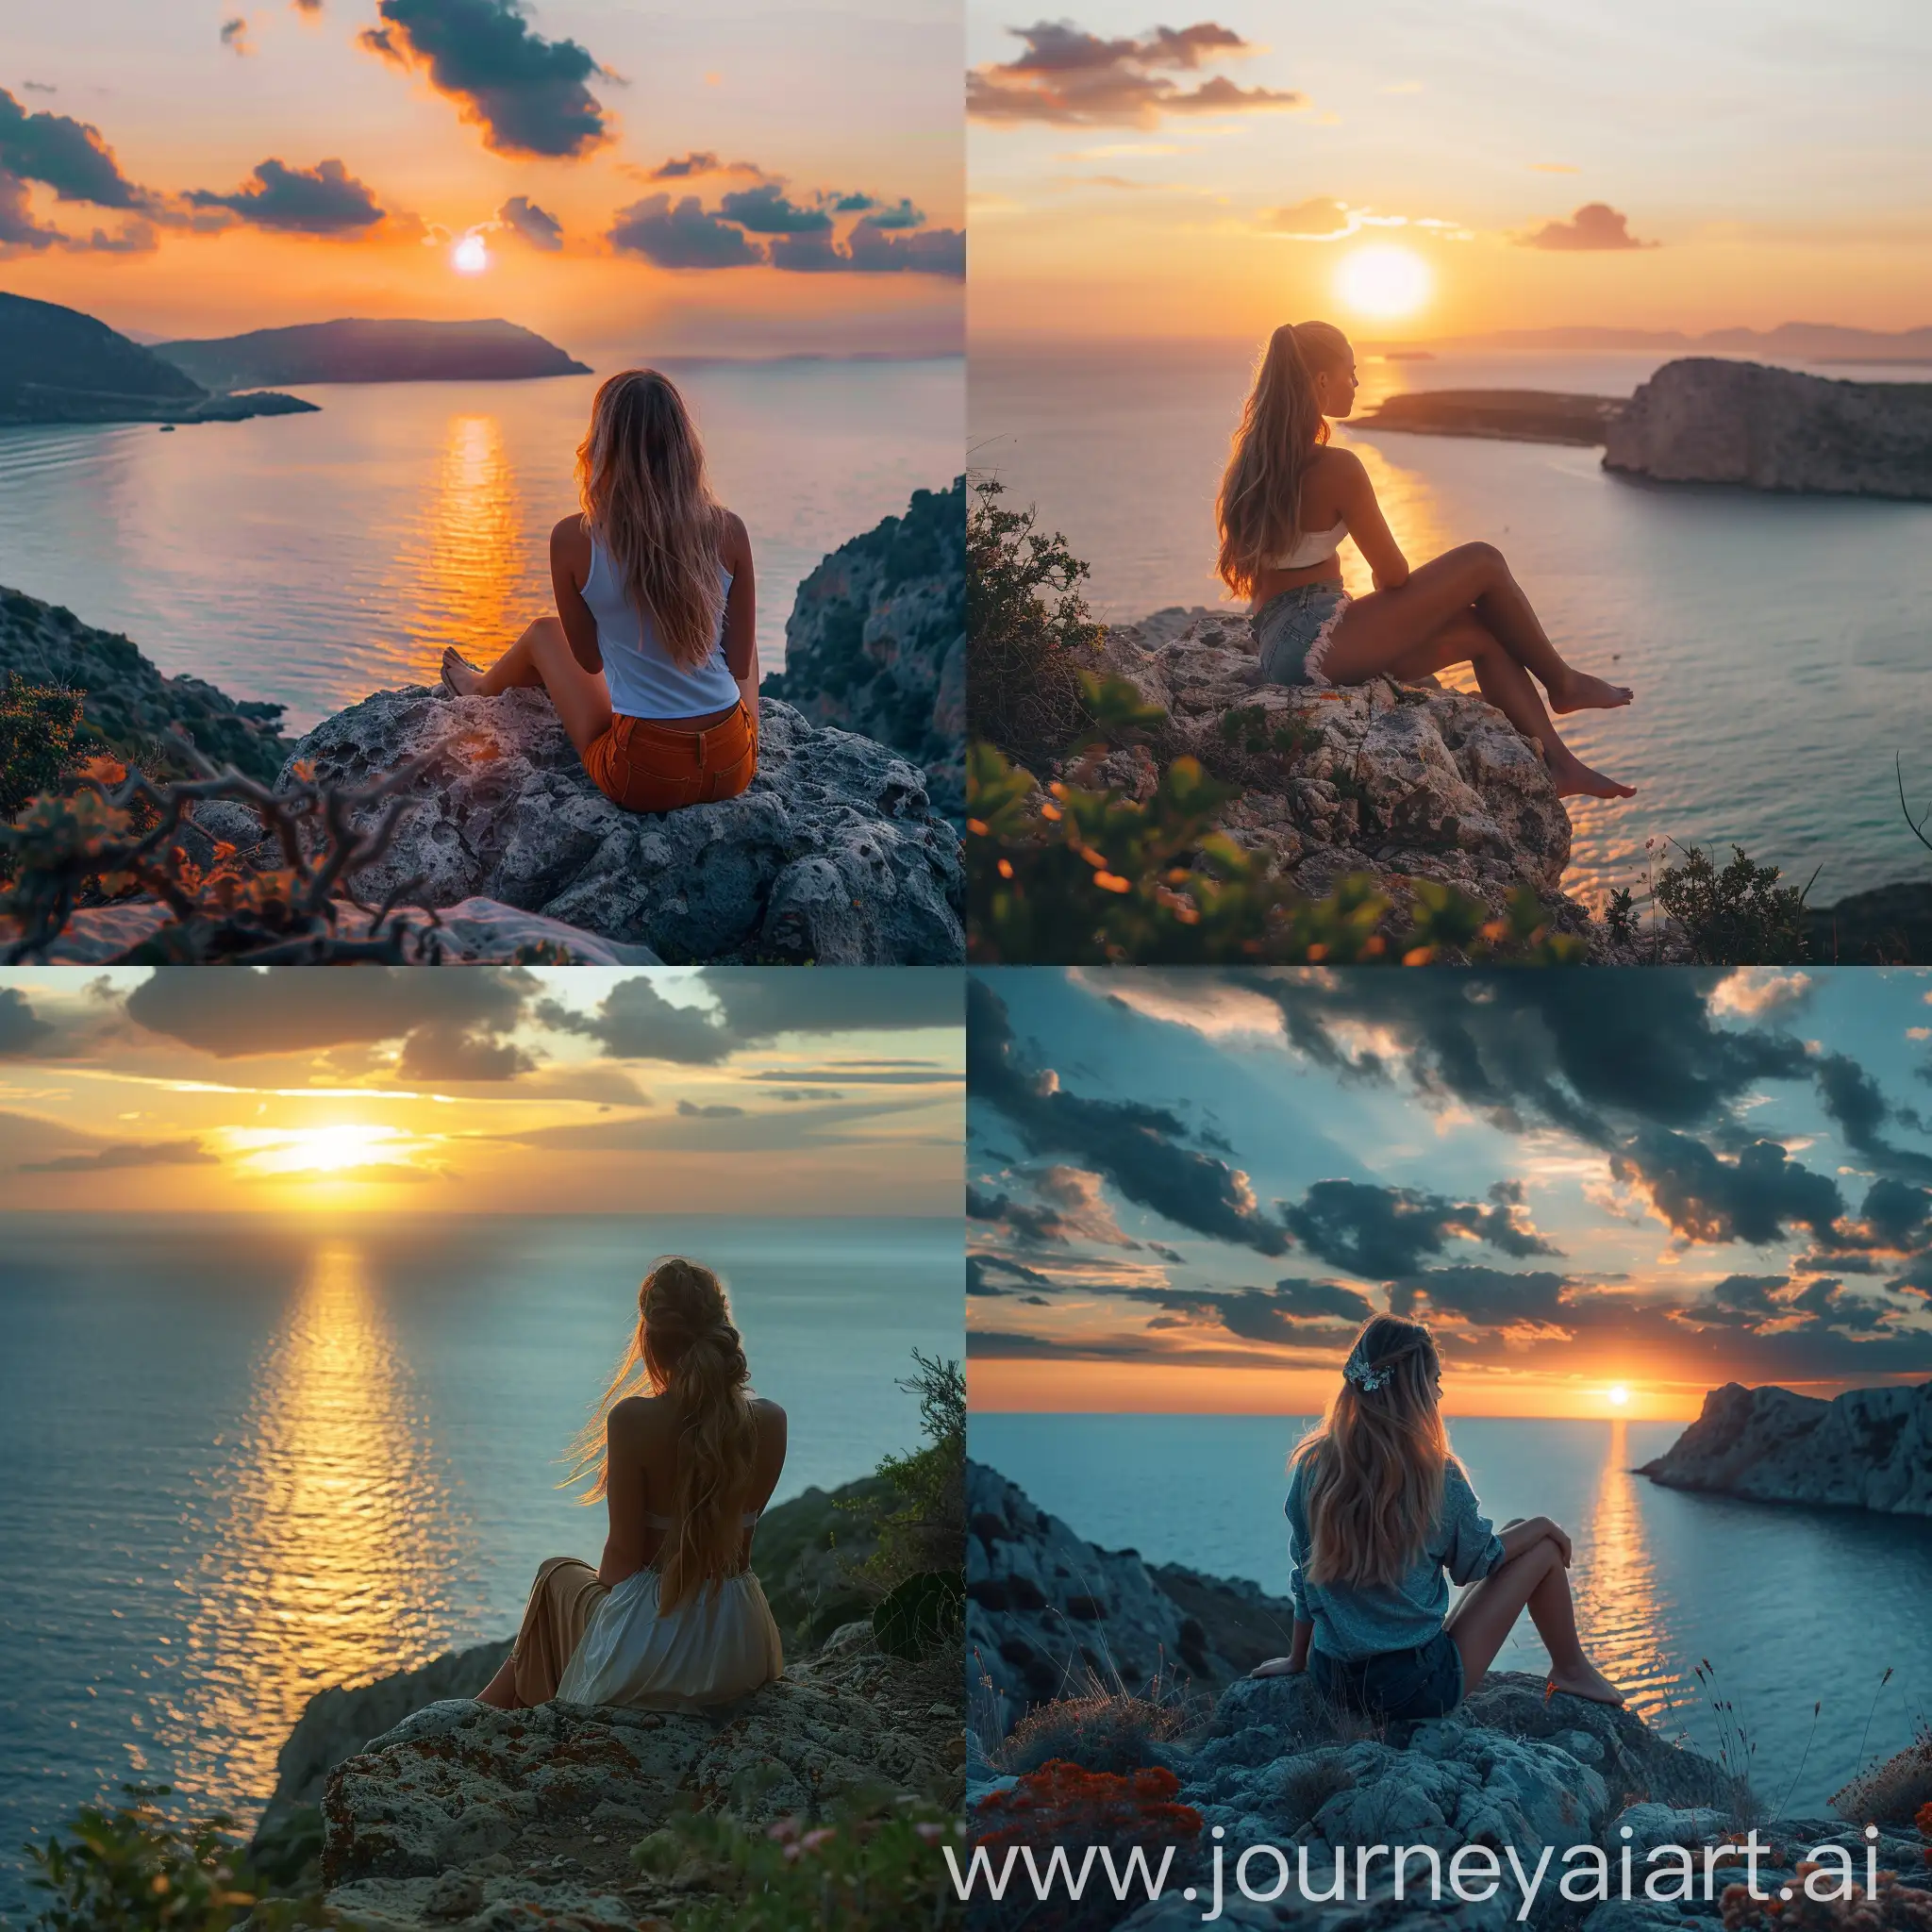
<point x="1507" y="685"/>
<point x="1536" y="1581"/>
<point x="1378" y="629"/>
<point x="500" y="1693"/>
<point x="541" y="655"/>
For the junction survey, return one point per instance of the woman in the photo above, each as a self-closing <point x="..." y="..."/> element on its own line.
<point x="652" y="658"/>
<point x="1378" y="1511"/>
<point x="1287" y="501"/>
<point x="672" y="1618"/>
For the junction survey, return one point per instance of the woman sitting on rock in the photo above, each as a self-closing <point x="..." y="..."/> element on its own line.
<point x="1287" y="501"/>
<point x="652" y="658"/>
<point x="672" y="1618"/>
<point x="1380" y="1516"/>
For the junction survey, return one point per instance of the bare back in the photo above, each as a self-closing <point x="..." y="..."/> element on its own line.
<point x="1336" y="490"/>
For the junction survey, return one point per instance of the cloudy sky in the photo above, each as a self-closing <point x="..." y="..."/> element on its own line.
<point x="1185" y="1190"/>
<point x="488" y="1090"/>
<point x="758" y="176"/>
<point x="1649" y="164"/>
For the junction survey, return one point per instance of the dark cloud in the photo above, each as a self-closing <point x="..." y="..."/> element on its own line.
<point x="1316" y="1300"/>
<point x="760" y="1004"/>
<point x="1140" y="1150"/>
<point x="980" y="1269"/>
<point x="1896" y="1215"/>
<point x="635" y="1022"/>
<point x="322" y="200"/>
<point x="1852" y="1097"/>
<point x="902" y="216"/>
<point x="715" y="1110"/>
<point x="1029" y="1221"/>
<point x="701" y="161"/>
<point x="683" y="236"/>
<point x="1707" y="1199"/>
<point x="872" y="249"/>
<point x="1070" y="77"/>
<point x="1250" y="1314"/>
<point x="455" y="1050"/>
<point x="527" y="94"/>
<point x="22" y="1031"/>
<point x="1483" y="1297"/>
<point x="68" y="156"/>
<point x="235" y="35"/>
<point x="538" y="227"/>
<point x="1382" y="1232"/>
<point x="126" y="1154"/>
<point x="766" y="209"/>
<point x="1171" y="1254"/>
<point x="1595" y="225"/>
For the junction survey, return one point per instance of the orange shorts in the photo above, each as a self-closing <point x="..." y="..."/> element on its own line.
<point x="648" y="767"/>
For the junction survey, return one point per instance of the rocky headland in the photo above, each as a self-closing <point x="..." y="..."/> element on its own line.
<point x="877" y="641"/>
<point x="1268" y="1761"/>
<point x="57" y="365"/>
<point x="1711" y="420"/>
<point x="1866" y="1449"/>
<point x="386" y="350"/>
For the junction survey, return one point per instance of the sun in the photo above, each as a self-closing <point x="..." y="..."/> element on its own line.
<point x="470" y="257"/>
<point x="1620" y="1396"/>
<point x="1383" y="281"/>
<point x="292" y="1151"/>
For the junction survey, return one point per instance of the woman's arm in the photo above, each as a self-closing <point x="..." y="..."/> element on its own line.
<point x="1366" y="522"/>
<point x="1296" y="1661"/>
<point x="1517" y="1536"/>
<point x="623" y="1553"/>
<point x="742" y="613"/>
<point x="570" y="571"/>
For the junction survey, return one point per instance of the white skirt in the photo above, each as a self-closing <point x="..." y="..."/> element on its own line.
<point x="716" y="1646"/>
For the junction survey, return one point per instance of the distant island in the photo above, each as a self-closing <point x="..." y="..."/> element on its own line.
<point x="57" y="365"/>
<point x="1804" y="341"/>
<point x="371" y="351"/>
<point x="1514" y="415"/>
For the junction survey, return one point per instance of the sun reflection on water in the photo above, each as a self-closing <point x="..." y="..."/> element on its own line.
<point x="1620" y="1609"/>
<point x="337" y="1545"/>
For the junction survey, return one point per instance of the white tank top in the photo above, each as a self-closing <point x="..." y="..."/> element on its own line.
<point x="1309" y="548"/>
<point x="644" y="680"/>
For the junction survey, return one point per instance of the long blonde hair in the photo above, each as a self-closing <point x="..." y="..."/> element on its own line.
<point x="1259" y="507"/>
<point x="689" y="1351"/>
<point x="641" y="483"/>
<point x="1374" y="1470"/>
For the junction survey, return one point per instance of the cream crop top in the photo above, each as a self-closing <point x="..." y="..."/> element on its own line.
<point x="1309" y="548"/>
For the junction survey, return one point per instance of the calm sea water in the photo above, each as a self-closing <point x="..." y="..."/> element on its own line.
<point x="312" y="560"/>
<point x="248" y="1459"/>
<point x="1778" y="644"/>
<point x="1790" y="1607"/>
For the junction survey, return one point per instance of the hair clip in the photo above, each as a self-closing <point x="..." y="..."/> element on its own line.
<point x="1365" y="1378"/>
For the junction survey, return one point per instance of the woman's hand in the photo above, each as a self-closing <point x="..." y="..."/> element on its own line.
<point x="1559" y="1536"/>
<point x="1280" y="1667"/>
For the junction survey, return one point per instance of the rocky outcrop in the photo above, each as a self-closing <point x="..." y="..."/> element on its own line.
<point x="1707" y="420"/>
<point x="1507" y="415"/>
<point x="1403" y="781"/>
<point x="128" y="703"/>
<point x="385" y="350"/>
<point x="1866" y="1449"/>
<point x="833" y="855"/>
<point x="1048" y="1614"/>
<point x="465" y="1816"/>
<point x="877" y="640"/>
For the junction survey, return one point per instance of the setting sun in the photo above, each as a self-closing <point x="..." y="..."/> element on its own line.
<point x="1620" y="1398"/>
<point x="327" y="1150"/>
<point x="470" y="256"/>
<point x="1383" y="281"/>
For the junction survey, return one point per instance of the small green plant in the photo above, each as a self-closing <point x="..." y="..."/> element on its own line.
<point x="1620" y="917"/>
<point x="38" y="727"/>
<point x="920" y="1614"/>
<point x="875" y="1864"/>
<point x="1246" y="725"/>
<point x="1739" y="916"/>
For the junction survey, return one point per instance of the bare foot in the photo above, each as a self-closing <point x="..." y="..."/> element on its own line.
<point x="1574" y="779"/>
<point x="459" y="675"/>
<point x="1588" y="1682"/>
<point x="1579" y="692"/>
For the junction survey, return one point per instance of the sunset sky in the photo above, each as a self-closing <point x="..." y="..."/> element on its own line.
<point x="485" y="1090"/>
<point x="767" y="177"/>
<point x="1649" y="165"/>
<point x="1185" y="1190"/>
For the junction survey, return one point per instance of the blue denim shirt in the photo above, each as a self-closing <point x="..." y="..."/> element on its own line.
<point x="1352" y="1623"/>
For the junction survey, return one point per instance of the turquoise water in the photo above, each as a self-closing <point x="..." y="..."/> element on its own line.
<point x="312" y="560"/>
<point x="1777" y="643"/>
<point x="248" y="1458"/>
<point x="1790" y="1607"/>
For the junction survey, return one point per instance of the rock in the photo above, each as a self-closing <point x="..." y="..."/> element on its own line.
<point x="1403" y="781"/>
<point x="1708" y="420"/>
<point x="473" y="932"/>
<point x="834" y="854"/>
<point x="1866" y="1449"/>
<point x="129" y="704"/>
<point x="877" y="641"/>
<point x="464" y="1814"/>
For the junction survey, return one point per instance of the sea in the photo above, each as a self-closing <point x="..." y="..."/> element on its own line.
<point x="311" y="559"/>
<point x="1778" y="644"/>
<point x="1783" y="1609"/>
<point x="248" y="1457"/>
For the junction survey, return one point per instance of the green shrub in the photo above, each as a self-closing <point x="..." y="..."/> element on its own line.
<point x="921" y="1614"/>
<point x="1738" y="917"/>
<point x="39" y="726"/>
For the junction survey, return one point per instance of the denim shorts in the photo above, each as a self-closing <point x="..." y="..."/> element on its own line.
<point x="1293" y="628"/>
<point x="1399" y="1683"/>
